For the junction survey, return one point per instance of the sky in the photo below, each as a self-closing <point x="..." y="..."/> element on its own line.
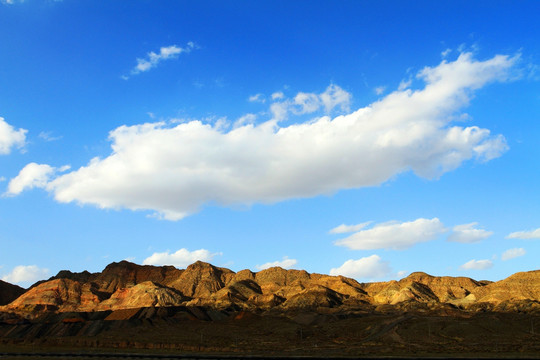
<point x="369" y="139"/>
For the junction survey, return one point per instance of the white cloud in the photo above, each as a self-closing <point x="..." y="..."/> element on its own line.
<point x="477" y="265"/>
<point x="379" y="90"/>
<point x="513" y="253"/>
<point x="342" y="229"/>
<point x="257" y="98"/>
<point x="32" y="176"/>
<point x="26" y="274"/>
<point x="278" y="95"/>
<point x="467" y="233"/>
<point x="10" y="137"/>
<point x="531" y="234"/>
<point x="176" y="168"/>
<point x="165" y="53"/>
<point x="245" y="120"/>
<point x="181" y="258"/>
<point x="445" y="53"/>
<point x="308" y="103"/>
<point x="334" y="96"/>
<point x="47" y="136"/>
<point x="286" y="263"/>
<point x="371" y="267"/>
<point x="394" y="235"/>
<point x="402" y="273"/>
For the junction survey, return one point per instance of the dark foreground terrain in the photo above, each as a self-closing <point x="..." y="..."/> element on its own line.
<point x="199" y="331"/>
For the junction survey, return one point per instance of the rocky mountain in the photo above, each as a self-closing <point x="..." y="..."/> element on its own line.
<point x="125" y="285"/>
<point x="9" y="292"/>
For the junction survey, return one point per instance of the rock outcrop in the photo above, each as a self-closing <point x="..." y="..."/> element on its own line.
<point x="9" y="292"/>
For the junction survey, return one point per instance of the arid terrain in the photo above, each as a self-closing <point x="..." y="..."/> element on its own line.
<point x="275" y="312"/>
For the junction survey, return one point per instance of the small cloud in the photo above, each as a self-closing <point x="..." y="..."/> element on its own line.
<point x="10" y="137"/>
<point x="394" y="235"/>
<point x="371" y="267"/>
<point x="278" y="95"/>
<point x="47" y="136"/>
<point x="286" y="263"/>
<point x="165" y="53"/>
<point x="477" y="265"/>
<point x="257" y="98"/>
<point x="26" y="274"/>
<point x="525" y="235"/>
<point x="342" y="229"/>
<point x="334" y="96"/>
<point x="130" y="259"/>
<point x="181" y="258"/>
<point x="512" y="253"/>
<point x="404" y="84"/>
<point x="31" y="176"/>
<point x="402" y="273"/>
<point x="467" y="233"/>
<point x="308" y="103"/>
<point x="379" y="90"/>
<point x="445" y="53"/>
<point x="245" y="120"/>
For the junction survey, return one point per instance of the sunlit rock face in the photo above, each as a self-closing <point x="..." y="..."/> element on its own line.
<point x="126" y="285"/>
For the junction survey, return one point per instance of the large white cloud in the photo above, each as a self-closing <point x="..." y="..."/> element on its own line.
<point x="394" y="235"/>
<point x="477" y="265"/>
<point x="467" y="233"/>
<point x="530" y="234"/>
<point x="371" y="267"/>
<point x="10" y="137"/>
<point x="26" y="274"/>
<point x="175" y="168"/>
<point x="286" y="263"/>
<point x="181" y="258"/>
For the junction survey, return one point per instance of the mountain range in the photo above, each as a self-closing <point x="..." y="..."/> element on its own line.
<point x="273" y="312"/>
<point x="126" y="285"/>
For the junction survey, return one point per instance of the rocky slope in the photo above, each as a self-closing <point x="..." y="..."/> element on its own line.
<point x="126" y="285"/>
<point x="9" y="292"/>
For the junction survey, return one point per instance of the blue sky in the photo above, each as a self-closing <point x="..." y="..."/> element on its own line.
<point x="369" y="139"/>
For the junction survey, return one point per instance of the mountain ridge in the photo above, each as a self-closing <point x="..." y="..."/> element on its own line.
<point x="126" y="285"/>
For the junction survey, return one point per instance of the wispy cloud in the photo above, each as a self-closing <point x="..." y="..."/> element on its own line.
<point x="257" y="98"/>
<point x="47" y="136"/>
<point x="308" y="103"/>
<point x="342" y="229"/>
<point x="513" y="253"/>
<point x="394" y="235"/>
<point x="152" y="59"/>
<point x="467" y="233"/>
<point x="530" y="234"/>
